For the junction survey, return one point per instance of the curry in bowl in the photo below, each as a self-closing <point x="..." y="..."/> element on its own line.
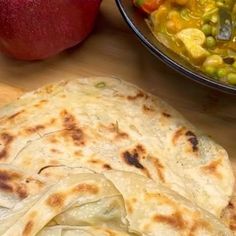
<point x="201" y="31"/>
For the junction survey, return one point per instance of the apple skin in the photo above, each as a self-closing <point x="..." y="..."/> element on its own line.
<point x="38" y="29"/>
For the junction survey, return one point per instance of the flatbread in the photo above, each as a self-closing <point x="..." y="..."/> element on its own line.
<point x="102" y="124"/>
<point x="73" y="191"/>
<point x="102" y="157"/>
<point x="144" y="208"/>
<point x="155" y="210"/>
<point x="16" y="185"/>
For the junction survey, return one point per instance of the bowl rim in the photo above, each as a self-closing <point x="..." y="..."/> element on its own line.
<point x="204" y="80"/>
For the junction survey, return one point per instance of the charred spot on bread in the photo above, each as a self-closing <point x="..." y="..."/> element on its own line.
<point x="21" y="191"/>
<point x="107" y="167"/>
<point x="72" y="129"/>
<point x="34" y="129"/>
<point x="212" y="168"/>
<point x="8" y="175"/>
<point x="114" y="128"/>
<point x="132" y="159"/>
<point x="68" y="120"/>
<point x="174" y="220"/>
<point x="3" y="154"/>
<point x="28" y="228"/>
<point x="6" y="140"/>
<point x="140" y="94"/>
<point x="159" y="168"/>
<point x="15" y="115"/>
<point x="6" y="187"/>
<point x="78" y="136"/>
<point x="198" y="225"/>
<point x="147" y="108"/>
<point x="86" y="188"/>
<point x="56" y="200"/>
<point x="140" y="149"/>
<point x="134" y="156"/>
<point x="192" y="138"/>
<point x="166" y="114"/>
<point x="178" y="133"/>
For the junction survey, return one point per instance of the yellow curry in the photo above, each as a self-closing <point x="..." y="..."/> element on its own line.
<point x="201" y="31"/>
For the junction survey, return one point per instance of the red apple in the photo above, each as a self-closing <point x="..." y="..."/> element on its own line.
<point x="37" y="29"/>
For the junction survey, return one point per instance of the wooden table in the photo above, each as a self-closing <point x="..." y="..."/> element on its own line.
<point x="113" y="50"/>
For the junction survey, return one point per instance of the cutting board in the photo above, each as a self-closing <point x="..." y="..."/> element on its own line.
<point x="8" y="94"/>
<point x="113" y="50"/>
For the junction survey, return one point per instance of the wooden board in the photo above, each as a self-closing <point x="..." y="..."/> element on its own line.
<point x="113" y="50"/>
<point x="8" y="93"/>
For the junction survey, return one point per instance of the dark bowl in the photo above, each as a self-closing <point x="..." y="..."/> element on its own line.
<point x="136" y="22"/>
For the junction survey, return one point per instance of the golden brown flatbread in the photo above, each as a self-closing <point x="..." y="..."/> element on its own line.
<point x="94" y="125"/>
<point x="123" y="202"/>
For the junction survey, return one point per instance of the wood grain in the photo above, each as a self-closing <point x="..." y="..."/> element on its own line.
<point x="8" y="93"/>
<point x="113" y="50"/>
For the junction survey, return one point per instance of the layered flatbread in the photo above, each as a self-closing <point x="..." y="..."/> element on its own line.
<point x="93" y="126"/>
<point x="135" y="205"/>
